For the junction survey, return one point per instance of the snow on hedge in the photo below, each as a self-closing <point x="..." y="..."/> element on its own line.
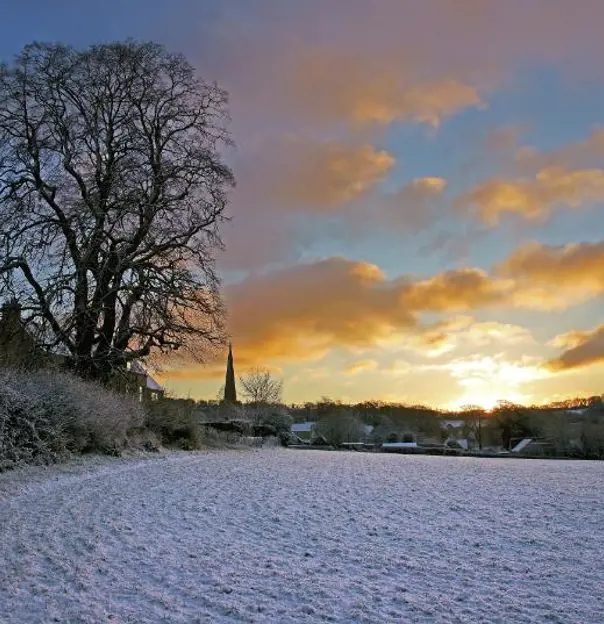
<point x="304" y="536"/>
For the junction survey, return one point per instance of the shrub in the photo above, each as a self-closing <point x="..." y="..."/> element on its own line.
<point x="46" y="415"/>
<point x="178" y="423"/>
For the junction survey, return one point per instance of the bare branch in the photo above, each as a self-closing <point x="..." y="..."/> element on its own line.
<point x="112" y="194"/>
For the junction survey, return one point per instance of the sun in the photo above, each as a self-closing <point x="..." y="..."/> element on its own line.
<point x="486" y="401"/>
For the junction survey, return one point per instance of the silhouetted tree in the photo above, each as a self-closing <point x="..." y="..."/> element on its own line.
<point x="112" y="191"/>
<point x="259" y="386"/>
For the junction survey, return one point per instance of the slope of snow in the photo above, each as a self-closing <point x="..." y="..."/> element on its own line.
<point x="299" y="536"/>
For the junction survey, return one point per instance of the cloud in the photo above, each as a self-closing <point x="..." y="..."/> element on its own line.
<point x="535" y="198"/>
<point x="361" y="366"/>
<point x="555" y="276"/>
<point x="296" y="173"/>
<point x="585" y="348"/>
<point x="457" y="290"/>
<point x="574" y="155"/>
<point x="464" y="332"/>
<point x="413" y="207"/>
<point x="384" y="61"/>
<point x="427" y="186"/>
<point x="302" y="312"/>
<point x="570" y="176"/>
<point x="399" y="368"/>
<point x="332" y="86"/>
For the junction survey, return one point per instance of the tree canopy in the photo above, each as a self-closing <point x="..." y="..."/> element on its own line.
<point x="112" y="193"/>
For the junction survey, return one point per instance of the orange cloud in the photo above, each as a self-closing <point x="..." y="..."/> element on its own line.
<point x="448" y="336"/>
<point x="584" y="349"/>
<point x="555" y="276"/>
<point x="460" y="289"/>
<point x="302" y="312"/>
<point x="571" y="176"/>
<point x="332" y="84"/>
<point x="535" y="198"/>
<point x="575" y="155"/>
<point x="361" y="366"/>
<point x="318" y="175"/>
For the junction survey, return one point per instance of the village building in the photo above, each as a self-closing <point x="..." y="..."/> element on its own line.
<point x="19" y="349"/>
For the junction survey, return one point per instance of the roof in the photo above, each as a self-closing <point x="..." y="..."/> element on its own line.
<point x="137" y="367"/>
<point x="301" y="427"/>
<point x="452" y="424"/>
<point x="521" y="445"/>
<point x="399" y="444"/>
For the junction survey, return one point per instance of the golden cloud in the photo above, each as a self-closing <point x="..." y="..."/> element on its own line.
<point x="429" y="185"/>
<point x="302" y="312"/>
<point x="570" y="176"/>
<point x="332" y="86"/>
<point x="385" y="61"/>
<point x="584" y="349"/>
<point x="574" y="155"/>
<point x="464" y="331"/>
<point x="361" y="366"/>
<point x="319" y="175"/>
<point x="555" y="276"/>
<point x="535" y="198"/>
<point x="457" y="290"/>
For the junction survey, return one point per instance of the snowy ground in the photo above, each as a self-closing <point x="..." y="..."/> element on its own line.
<point x="304" y="536"/>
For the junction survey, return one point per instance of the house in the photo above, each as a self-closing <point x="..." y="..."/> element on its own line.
<point x="148" y="388"/>
<point x="304" y="430"/>
<point x="19" y="349"/>
<point x="532" y="446"/>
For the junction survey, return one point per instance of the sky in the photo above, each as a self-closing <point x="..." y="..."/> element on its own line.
<point x="420" y="188"/>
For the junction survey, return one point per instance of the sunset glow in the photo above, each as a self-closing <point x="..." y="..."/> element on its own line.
<point x="420" y="190"/>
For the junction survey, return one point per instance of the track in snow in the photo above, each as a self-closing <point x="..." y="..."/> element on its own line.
<point x="303" y="536"/>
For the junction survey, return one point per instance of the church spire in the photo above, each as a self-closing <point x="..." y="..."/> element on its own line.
<point x="230" y="392"/>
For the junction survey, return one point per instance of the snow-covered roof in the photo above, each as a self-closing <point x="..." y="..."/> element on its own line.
<point x="153" y="385"/>
<point x="137" y="367"/>
<point x="399" y="444"/>
<point x="367" y="429"/>
<point x="578" y="411"/>
<point x="302" y="427"/>
<point x="521" y="445"/>
<point x="453" y="424"/>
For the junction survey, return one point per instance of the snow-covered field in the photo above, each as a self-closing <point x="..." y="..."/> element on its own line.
<point x="304" y="536"/>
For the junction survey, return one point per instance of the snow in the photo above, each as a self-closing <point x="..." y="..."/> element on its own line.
<point x="302" y="427"/>
<point x="522" y="445"/>
<point x="399" y="444"/>
<point x="303" y="536"/>
<point x="137" y="367"/>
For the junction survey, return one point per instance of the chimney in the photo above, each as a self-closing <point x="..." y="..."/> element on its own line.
<point x="11" y="313"/>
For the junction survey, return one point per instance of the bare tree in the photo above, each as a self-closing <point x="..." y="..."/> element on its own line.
<point x="259" y="386"/>
<point x="112" y="191"/>
<point x="475" y="419"/>
<point x="339" y="427"/>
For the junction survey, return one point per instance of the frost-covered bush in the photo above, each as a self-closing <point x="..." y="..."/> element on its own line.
<point x="46" y="415"/>
<point x="268" y="420"/>
<point x="175" y="423"/>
